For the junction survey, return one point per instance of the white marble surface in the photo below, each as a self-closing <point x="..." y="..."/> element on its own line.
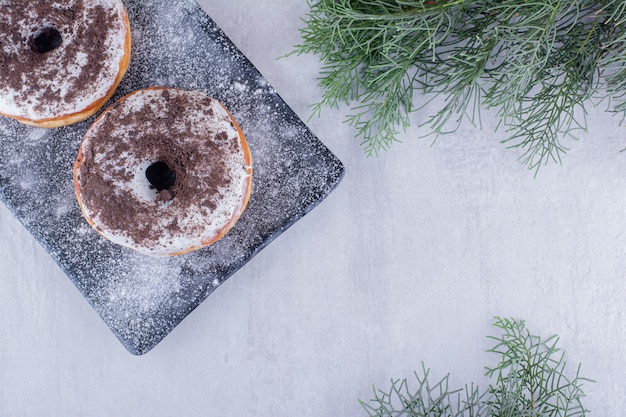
<point x="406" y="262"/>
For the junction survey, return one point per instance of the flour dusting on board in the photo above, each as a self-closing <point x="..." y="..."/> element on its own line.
<point x="37" y="134"/>
<point x="146" y="287"/>
<point x="143" y="298"/>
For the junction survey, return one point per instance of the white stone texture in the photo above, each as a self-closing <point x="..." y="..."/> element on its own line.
<point x="406" y="262"/>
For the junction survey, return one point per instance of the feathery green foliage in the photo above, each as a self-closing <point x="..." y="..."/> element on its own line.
<point x="531" y="379"/>
<point x="537" y="63"/>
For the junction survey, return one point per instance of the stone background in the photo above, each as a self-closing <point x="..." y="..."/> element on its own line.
<point x="407" y="262"/>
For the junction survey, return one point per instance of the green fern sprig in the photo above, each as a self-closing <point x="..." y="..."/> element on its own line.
<point x="530" y="379"/>
<point x="536" y="63"/>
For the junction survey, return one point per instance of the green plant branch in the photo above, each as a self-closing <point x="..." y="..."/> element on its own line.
<point x="538" y="63"/>
<point x="531" y="378"/>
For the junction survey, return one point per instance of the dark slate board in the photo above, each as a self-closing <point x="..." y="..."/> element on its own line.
<point x="142" y="298"/>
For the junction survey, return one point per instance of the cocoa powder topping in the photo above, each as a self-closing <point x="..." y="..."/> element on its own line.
<point x="158" y="167"/>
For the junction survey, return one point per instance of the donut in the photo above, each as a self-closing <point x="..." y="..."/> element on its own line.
<point x="163" y="171"/>
<point x="61" y="60"/>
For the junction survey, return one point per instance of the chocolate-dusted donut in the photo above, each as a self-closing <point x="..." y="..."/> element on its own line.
<point x="163" y="171"/>
<point x="61" y="60"/>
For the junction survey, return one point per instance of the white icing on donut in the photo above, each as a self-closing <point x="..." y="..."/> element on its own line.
<point x="117" y="151"/>
<point x="51" y="85"/>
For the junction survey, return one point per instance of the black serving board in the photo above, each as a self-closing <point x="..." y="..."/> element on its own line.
<point x="143" y="298"/>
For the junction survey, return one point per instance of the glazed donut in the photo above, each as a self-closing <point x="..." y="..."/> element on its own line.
<point x="60" y="60"/>
<point x="163" y="171"/>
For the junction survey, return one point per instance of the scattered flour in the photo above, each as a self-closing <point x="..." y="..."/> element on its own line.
<point x="143" y="298"/>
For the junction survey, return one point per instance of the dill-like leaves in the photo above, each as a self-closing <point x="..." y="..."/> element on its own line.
<point x="531" y="379"/>
<point x="537" y="63"/>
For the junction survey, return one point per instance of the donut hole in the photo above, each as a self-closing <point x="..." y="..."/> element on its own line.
<point x="161" y="176"/>
<point x="45" y="40"/>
